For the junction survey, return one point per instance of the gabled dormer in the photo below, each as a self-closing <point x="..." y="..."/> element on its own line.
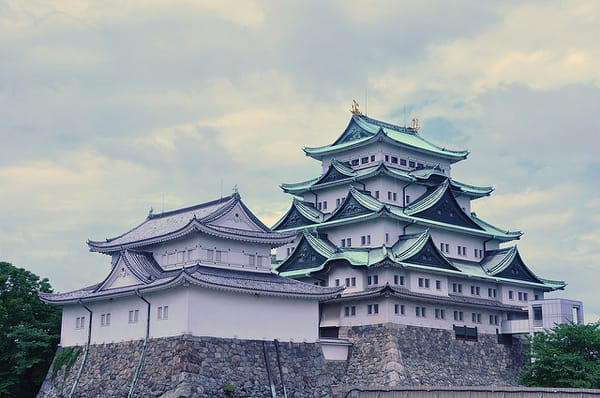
<point x="300" y="214"/>
<point x="419" y="249"/>
<point x="132" y="268"/>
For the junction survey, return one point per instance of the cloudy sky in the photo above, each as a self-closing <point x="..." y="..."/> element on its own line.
<point x="108" y="108"/>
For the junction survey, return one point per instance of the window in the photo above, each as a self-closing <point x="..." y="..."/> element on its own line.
<point x="80" y="322"/>
<point x="324" y="205"/>
<point x="319" y="206"/>
<point x="493" y="319"/>
<point x="424" y="283"/>
<point x="491" y="292"/>
<point x="364" y="160"/>
<point x="462" y="250"/>
<point x="475" y="317"/>
<point x="134" y="316"/>
<point x="394" y="196"/>
<point x="210" y="254"/>
<point x="394" y="160"/>
<point x="438" y="285"/>
<point x="354" y="162"/>
<point x="351" y="281"/>
<point x="399" y="280"/>
<point x="420" y="165"/>
<point x="376" y="194"/>
<point x="343" y="242"/>
<point x="440" y="313"/>
<point x="411" y="163"/>
<point x="363" y="240"/>
<point x="369" y="280"/>
<point x="510" y="295"/>
<point x="407" y="199"/>
<point x="105" y="319"/>
<point x="458" y="315"/>
<point x="350" y="311"/>
<point x="402" y="162"/>
<point x="387" y="158"/>
<point x="444" y="247"/>
<point x="373" y="309"/>
<point x="387" y="238"/>
<point x="420" y="312"/>
<point x="372" y="158"/>
<point x="475" y="290"/>
<point x="389" y="195"/>
<point x="251" y="259"/>
<point x="375" y="279"/>
<point x="368" y="239"/>
<point x="337" y="282"/>
<point x="524" y="296"/>
<point x="399" y="309"/>
<point x="162" y="313"/>
<point x="349" y="242"/>
<point x="480" y="253"/>
<point x="337" y="202"/>
<point x="457" y="288"/>
<point x="372" y="280"/>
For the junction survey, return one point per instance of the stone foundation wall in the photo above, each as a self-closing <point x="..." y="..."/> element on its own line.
<point x="399" y="355"/>
<point x="381" y="355"/>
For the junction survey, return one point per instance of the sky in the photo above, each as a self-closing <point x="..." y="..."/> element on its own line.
<point x="109" y="108"/>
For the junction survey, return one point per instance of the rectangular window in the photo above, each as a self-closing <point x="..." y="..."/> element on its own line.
<point x="402" y="162"/>
<point x="394" y="196"/>
<point x="420" y="312"/>
<point x="251" y="259"/>
<point x="349" y="242"/>
<point x="411" y="163"/>
<point x="324" y="205"/>
<point x="387" y="238"/>
<point x="319" y="206"/>
<point x="343" y="242"/>
<point x="218" y="256"/>
<point x="375" y="279"/>
<point x="475" y="290"/>
<point x="372" y="158"/>
<point x="373" y="309"/>
<point x="447" y="247"/>
<point x="337" y="282"/>
<point x="399" y="280"/>
<point x="493" y="319"/>
<point x="399" y="309"/>
<point x="369" y="280"/>
<point x="524" y="296"/>
<point x="368" y="239"/>
<point x="510" y="294"/>
<point x="389" y="195"/>
<point x="387" y="158"/>
<point x="364" y="160"/>
<point x="363" y="240"/>
<point x="346" y="311"/>
<point x="491" y="292"/>
<point x="353" y="281"/>
<point x="475" y="317"/>
<point x="105" y="319"/>
<point x="162" y="312"/>
<point x="407" y="199"/>
<point x="440" y="313"/>
<point x="80" y="322"/>
<point x="438" y="285"/>
<point x="458" y="315"/>
<point x="210" y="254"/>
<point x="457" y="288"/>
<point x="134" y="316"/>
<point x="354" y="162"/>
<point x="420" y="165"/>
<point x="376" y="194"/>
<point x="394" y="160"/>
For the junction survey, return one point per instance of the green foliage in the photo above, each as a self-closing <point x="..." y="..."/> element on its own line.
<point x="228" y="388"/>
<point x="566" y="356"/>
<point x="65" y="357"/>
<point x="29" y="332"/>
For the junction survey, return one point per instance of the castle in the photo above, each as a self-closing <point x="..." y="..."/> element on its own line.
<point x="378" y="252"/>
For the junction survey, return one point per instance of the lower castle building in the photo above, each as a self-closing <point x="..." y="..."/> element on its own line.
<point x="382" y="276"/>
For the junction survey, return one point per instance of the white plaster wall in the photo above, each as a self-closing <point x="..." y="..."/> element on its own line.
<point x="193" y="248"/>
<point x="343" y="272"/>
<point x="375" y="228"/>
<point x="454" y="239"/>
<point x="506" y="288"/>
<point x="223" y="314"/>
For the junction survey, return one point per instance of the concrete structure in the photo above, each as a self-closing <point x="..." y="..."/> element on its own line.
<point x="387" y="221"/>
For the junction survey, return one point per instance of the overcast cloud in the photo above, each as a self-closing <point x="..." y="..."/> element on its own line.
<point x="110" y="108"/>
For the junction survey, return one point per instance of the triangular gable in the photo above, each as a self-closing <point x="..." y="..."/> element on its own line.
<point x="120" y="276"/>
<point x="237" y="217"/>
<point x="352" y="132"/>
<point x="303" y="257"/>
<point x="293" y="219"/>
<point x="430" y="257"/>
<point x="349" y="208"/>
<point x="446" y="210"/>
<point x="333" y="174"/>
<point x="517" y="269"/>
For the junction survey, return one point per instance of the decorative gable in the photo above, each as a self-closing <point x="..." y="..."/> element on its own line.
<point x="430" y="257"/>
<point x="350" y="208"/>
<point x="120" y="276"/>
<point x="447" y="210"/>
<point x="518" y="270"/>
<point x="304" y="257"/>
<point x="237" y="218"/>
<point x="352" y="133"/>
<point x="332" y="174"/>
<point x="293" y="219"/>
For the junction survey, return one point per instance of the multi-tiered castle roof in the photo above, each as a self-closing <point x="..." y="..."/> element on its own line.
<point x="386" y="218"/>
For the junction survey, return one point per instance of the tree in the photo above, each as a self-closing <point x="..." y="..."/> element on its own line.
<point x="566" y="356"/>
<point x="29" y="332"/>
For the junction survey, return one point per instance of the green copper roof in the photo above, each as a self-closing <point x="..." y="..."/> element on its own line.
<point x="374" y="209"/>
<point x="347" y="175"/>
<point x="404" y="253"/>
<point x="362" y="130"/>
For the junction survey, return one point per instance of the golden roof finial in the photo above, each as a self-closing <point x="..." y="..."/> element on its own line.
<point x="415" y="124"/>
<point x="354" y="108"/>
